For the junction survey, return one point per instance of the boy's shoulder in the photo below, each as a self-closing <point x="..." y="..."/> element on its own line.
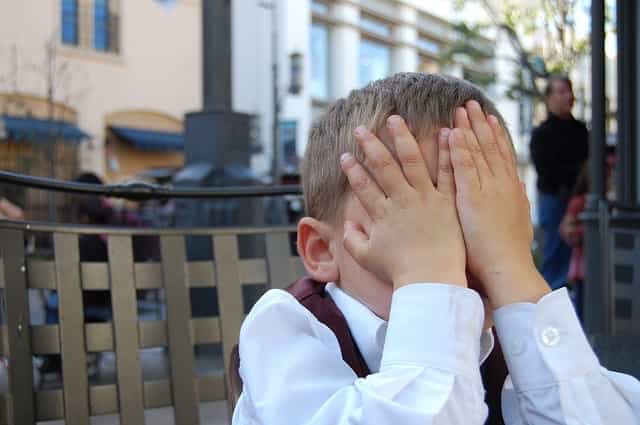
<point x="277" y="309"/>
<point x="272" y="299"/>
<point x="298" y="293"/>
<point x="303" y="309"/>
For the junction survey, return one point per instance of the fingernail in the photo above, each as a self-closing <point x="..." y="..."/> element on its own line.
<point x="444" y="133"/>
<point x="346" y="159"/>
<point x="360" y="131"/>
<point x="473" y="103"/>
<point x="393" y="121"/>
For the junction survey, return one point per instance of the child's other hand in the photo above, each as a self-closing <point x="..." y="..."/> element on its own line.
<point x="493" y="209"/>
<point x="413" y="234"/>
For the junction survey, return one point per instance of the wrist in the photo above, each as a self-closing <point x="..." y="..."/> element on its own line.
<point x="516" y="283"/>
<point x="447" y="277"/>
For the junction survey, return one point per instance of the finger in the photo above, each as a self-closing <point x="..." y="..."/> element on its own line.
<point x="366" y="190"/>
<point x="409" y="155"/>
<point x="461" y="119"/>
<point x="464" y="168"/>
<point x="355" y="241"/>
<point x="365" y="220"/>
<point x="380" y="164"/>
<point x="367" y="224"/>
<point x="485" y="136"/>
<point x="472" y="143"/>
<point x="445" y="179"/>
<point x="505" y="146"/>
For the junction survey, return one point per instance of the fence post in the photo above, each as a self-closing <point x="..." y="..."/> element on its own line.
<point x="174" y="273"/>
<point x="20" y="403"/>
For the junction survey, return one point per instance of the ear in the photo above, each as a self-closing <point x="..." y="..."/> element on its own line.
<point x="315" y="249"/>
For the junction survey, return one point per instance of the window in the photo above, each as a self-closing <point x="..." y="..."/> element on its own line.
<point x="105" y="26"/>
<point x="101" y="25"/>
<point x="90" y="24"/>
<point x="70" y="22"/>
<point x="319" y="7"/>
<point x="319" y="61"/>
<point x="375" y="61"/>
<point x="428" y="45"/>
<point x="375" y="26"/>
<point x="525" y="114"/>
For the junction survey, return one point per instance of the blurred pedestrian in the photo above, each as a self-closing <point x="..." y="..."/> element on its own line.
<point x="572" y="230"/>
<point x="96" y="211"/>
<point x="559" y="148"/>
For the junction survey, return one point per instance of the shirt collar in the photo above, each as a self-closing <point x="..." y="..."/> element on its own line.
<point x="369" y="331"/>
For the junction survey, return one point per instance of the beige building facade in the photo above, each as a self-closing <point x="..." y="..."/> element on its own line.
<point x="141" y="68"/>
<point x="132" y="63"/>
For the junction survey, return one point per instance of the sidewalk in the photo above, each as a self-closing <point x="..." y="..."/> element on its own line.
<point x="154" y="366"/>
<point x="214" y="413"/>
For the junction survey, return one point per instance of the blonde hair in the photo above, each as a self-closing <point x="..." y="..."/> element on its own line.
<point x="426" y="101"/>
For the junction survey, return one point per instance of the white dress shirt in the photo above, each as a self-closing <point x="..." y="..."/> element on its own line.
<point x="425" y="364"/>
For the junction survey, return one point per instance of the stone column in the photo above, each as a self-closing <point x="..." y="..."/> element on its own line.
<point x="344" y="49"/>
<point x="405" y="55"/>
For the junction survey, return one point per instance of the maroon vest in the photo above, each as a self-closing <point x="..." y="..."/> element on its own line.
<point x="312" y="296"/>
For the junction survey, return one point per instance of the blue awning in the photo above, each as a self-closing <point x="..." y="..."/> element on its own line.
<point x="149" y="139"/>
<point x="39" y="130"/>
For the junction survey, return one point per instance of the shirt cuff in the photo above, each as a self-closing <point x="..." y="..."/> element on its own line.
<point x="543" y="343"/>
<point x="434" y="325"/>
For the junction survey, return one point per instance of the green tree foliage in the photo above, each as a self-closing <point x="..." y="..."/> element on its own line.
<point x="542" y="35"/>
<point x="470" y="47"/>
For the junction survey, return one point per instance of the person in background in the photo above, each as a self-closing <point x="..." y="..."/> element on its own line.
<point x="95" y="211"/>
<point x="559" y="147"/>
<point x="572" y="231"/>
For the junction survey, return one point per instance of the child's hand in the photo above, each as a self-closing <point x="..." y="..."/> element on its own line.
<point x="493" y="209"/>
<point x="413" y="234"/>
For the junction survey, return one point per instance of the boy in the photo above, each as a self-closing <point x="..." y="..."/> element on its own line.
<point x="394" y="240"/>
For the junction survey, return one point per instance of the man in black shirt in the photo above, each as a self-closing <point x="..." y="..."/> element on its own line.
<point x="559" y="148"/>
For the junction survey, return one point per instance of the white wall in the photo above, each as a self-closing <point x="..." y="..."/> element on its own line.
<point x="297" y="38"/>
<point x="405" y="57"/>
<point x="251" y="69"/>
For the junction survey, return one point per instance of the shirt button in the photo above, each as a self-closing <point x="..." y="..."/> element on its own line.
<point x="517" y="347"/>
<point x="550" y="336"/>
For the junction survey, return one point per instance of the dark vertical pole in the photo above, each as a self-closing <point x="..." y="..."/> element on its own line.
<point x="216" y="54"/>
<point x="627" y="104"/>
<point x="598" y="124"/>
<point x="596" y="288"/>
<point x="276" y="99"/>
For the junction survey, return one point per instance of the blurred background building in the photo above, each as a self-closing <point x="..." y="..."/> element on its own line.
<point x="119" y="76"/>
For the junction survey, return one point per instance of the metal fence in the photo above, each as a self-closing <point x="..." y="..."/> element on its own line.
<point x="624" y="270"/>
<point x="125" y="334"/>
